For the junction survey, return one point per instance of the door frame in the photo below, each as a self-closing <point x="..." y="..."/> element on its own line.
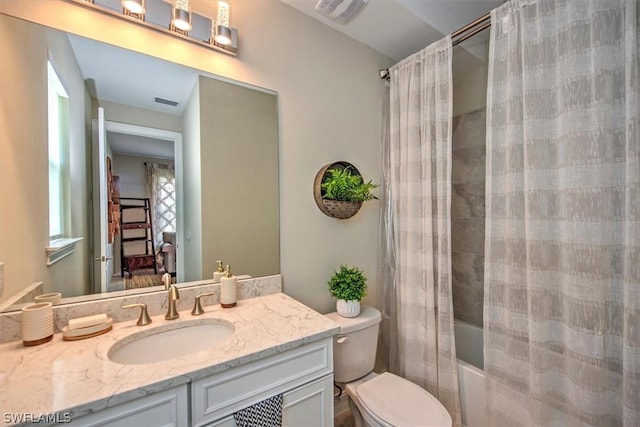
<point x="176" y="137"/>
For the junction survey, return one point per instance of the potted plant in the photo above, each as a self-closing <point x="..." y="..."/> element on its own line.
<point x="349" y="286"/>
<point x="344" y="191"/>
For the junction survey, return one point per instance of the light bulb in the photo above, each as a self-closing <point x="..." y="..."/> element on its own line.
<point x="181" y="15"/>
<point x="134" y="6"/>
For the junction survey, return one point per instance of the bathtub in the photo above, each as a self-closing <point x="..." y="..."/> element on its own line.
<point x="470" y="373"/>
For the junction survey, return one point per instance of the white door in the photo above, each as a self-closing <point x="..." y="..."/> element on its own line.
<point x="103" y="250"/>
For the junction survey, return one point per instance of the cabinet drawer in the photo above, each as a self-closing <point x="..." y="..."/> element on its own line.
<point x="223" y="394"/>
<point x="166" y="408"/>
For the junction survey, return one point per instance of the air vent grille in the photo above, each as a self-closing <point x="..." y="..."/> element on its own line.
<point x="166" y="102"/>
<point x="340" y="11"/>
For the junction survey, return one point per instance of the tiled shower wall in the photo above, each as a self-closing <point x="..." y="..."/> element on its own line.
<point x="467" y="212"/>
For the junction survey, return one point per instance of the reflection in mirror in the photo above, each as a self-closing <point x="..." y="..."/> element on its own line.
<point x="197" y="155"/>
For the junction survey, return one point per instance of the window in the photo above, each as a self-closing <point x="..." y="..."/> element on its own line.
<point x="58" y="115"/>
<point x="161" y="186"/>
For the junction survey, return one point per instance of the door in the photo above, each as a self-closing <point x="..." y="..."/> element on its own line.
<point x="102" y="249"/>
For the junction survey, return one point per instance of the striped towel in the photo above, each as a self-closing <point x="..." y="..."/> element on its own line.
<point x="267" y="413"/>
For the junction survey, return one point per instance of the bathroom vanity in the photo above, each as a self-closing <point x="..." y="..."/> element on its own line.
<point x="278" y="346"/>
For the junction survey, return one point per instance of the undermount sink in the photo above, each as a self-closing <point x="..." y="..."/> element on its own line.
<point x="170" y="341"/>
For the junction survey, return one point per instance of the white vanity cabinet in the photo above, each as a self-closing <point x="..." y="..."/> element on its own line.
<point x="166" y="408"/>
<point x="303" y="375"/>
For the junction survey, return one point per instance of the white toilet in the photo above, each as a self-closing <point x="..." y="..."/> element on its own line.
<point x="384" y="400"/>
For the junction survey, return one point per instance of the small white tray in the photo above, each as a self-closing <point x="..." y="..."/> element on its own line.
<point x="88" y="332"/>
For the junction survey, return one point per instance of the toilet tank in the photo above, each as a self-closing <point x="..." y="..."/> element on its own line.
<point x="354" y="348"/>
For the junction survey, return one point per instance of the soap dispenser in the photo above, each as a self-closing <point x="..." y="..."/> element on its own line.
<point x="228" y="289"/>
<point x="219" y="273"/>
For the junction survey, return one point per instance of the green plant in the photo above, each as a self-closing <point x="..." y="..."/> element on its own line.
<point x="341" y="184"/>
<point x="348" y="283"/>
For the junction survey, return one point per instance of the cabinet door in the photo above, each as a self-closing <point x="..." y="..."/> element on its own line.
<point x="166" y="408"/>
<point x="309" y="405"/>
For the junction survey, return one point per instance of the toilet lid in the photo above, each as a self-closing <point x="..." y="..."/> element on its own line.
<point x="399" y="402"/>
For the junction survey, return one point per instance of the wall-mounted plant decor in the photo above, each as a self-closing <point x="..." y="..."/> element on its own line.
<point x="339" y="190"/>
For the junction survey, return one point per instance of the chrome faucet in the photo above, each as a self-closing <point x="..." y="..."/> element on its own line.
<point x="172" y="312"/>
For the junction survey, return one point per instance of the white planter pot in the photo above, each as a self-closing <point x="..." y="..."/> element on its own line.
<point x="348" y="308"/>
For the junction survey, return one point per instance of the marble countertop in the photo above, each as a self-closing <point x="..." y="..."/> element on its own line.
<point x="77" y="376"/>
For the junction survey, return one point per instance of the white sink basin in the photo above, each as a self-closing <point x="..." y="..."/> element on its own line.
<point x="170" y="341"/>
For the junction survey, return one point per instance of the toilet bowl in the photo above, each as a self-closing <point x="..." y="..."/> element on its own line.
<point x="384" y="400"/>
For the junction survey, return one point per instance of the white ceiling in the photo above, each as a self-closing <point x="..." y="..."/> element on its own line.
<point x="130" y="78"/>
<point x="399" y="28"/>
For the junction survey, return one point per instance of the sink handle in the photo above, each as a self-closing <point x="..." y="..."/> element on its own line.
<point x="144" y="318"/>
<point x="197" y="307"/>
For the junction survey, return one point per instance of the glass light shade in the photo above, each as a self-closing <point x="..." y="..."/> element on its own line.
<point x="223" y="13"/>
<point x="182" y="4"/>
<point x="134" y="6"/>
<point x="222" y="31"/>
<point x="181" y="15"/>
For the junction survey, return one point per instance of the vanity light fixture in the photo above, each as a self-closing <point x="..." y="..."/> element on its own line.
<point x="135" y="7"/>
<point x="222" y="33"/>
<point x="181" y="16"/>
<point x="173" y="17"/>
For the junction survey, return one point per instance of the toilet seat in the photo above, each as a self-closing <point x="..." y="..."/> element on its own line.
<point x="395" y="401"/>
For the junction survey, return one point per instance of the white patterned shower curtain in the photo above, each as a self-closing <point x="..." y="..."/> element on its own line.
<point x="420" y="340"/>
<point x="562" y="250"/>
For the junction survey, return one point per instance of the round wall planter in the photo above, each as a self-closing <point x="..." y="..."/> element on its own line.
<point x="334" y="208"/>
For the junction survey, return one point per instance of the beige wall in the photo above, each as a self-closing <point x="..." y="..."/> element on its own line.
<point x="24" y="212"/>
<point x="329" y="95"/>
<point x="239" y="145"/>
<point x="192" y="200"/>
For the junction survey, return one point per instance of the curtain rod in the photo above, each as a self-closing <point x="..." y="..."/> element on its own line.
<point x="384" y="73"/>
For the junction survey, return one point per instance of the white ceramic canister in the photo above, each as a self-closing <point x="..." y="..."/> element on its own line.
<point x="37" y="323"/>
<point x="54" y="298"/>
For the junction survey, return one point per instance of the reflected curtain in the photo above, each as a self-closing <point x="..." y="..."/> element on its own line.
<point x="161" y="189"/>
<point x="562" y="249"/>
<point x="416" y="241"/>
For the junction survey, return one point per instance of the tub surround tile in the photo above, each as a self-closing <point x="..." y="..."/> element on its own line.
<point x="467" y="235"/>
<point x="468" y="165"/>
<point x="77" y="376"/>
<point x="467" y="304"/>
<point x="468" y="212"/>
<point x="11" y="326"/>
<point x="467" y="200"/>
<point x="469" y="129"/>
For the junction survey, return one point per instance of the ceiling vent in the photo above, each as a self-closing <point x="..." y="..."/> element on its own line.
<point x="166" y="101"/>
<point x="340" y="11"/>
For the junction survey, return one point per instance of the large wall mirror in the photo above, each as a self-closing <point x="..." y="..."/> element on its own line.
<point x="129" y="127"/>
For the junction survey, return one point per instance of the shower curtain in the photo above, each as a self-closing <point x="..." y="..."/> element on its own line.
<point x="418" y="261"/>
<point x="562" y="249"/>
